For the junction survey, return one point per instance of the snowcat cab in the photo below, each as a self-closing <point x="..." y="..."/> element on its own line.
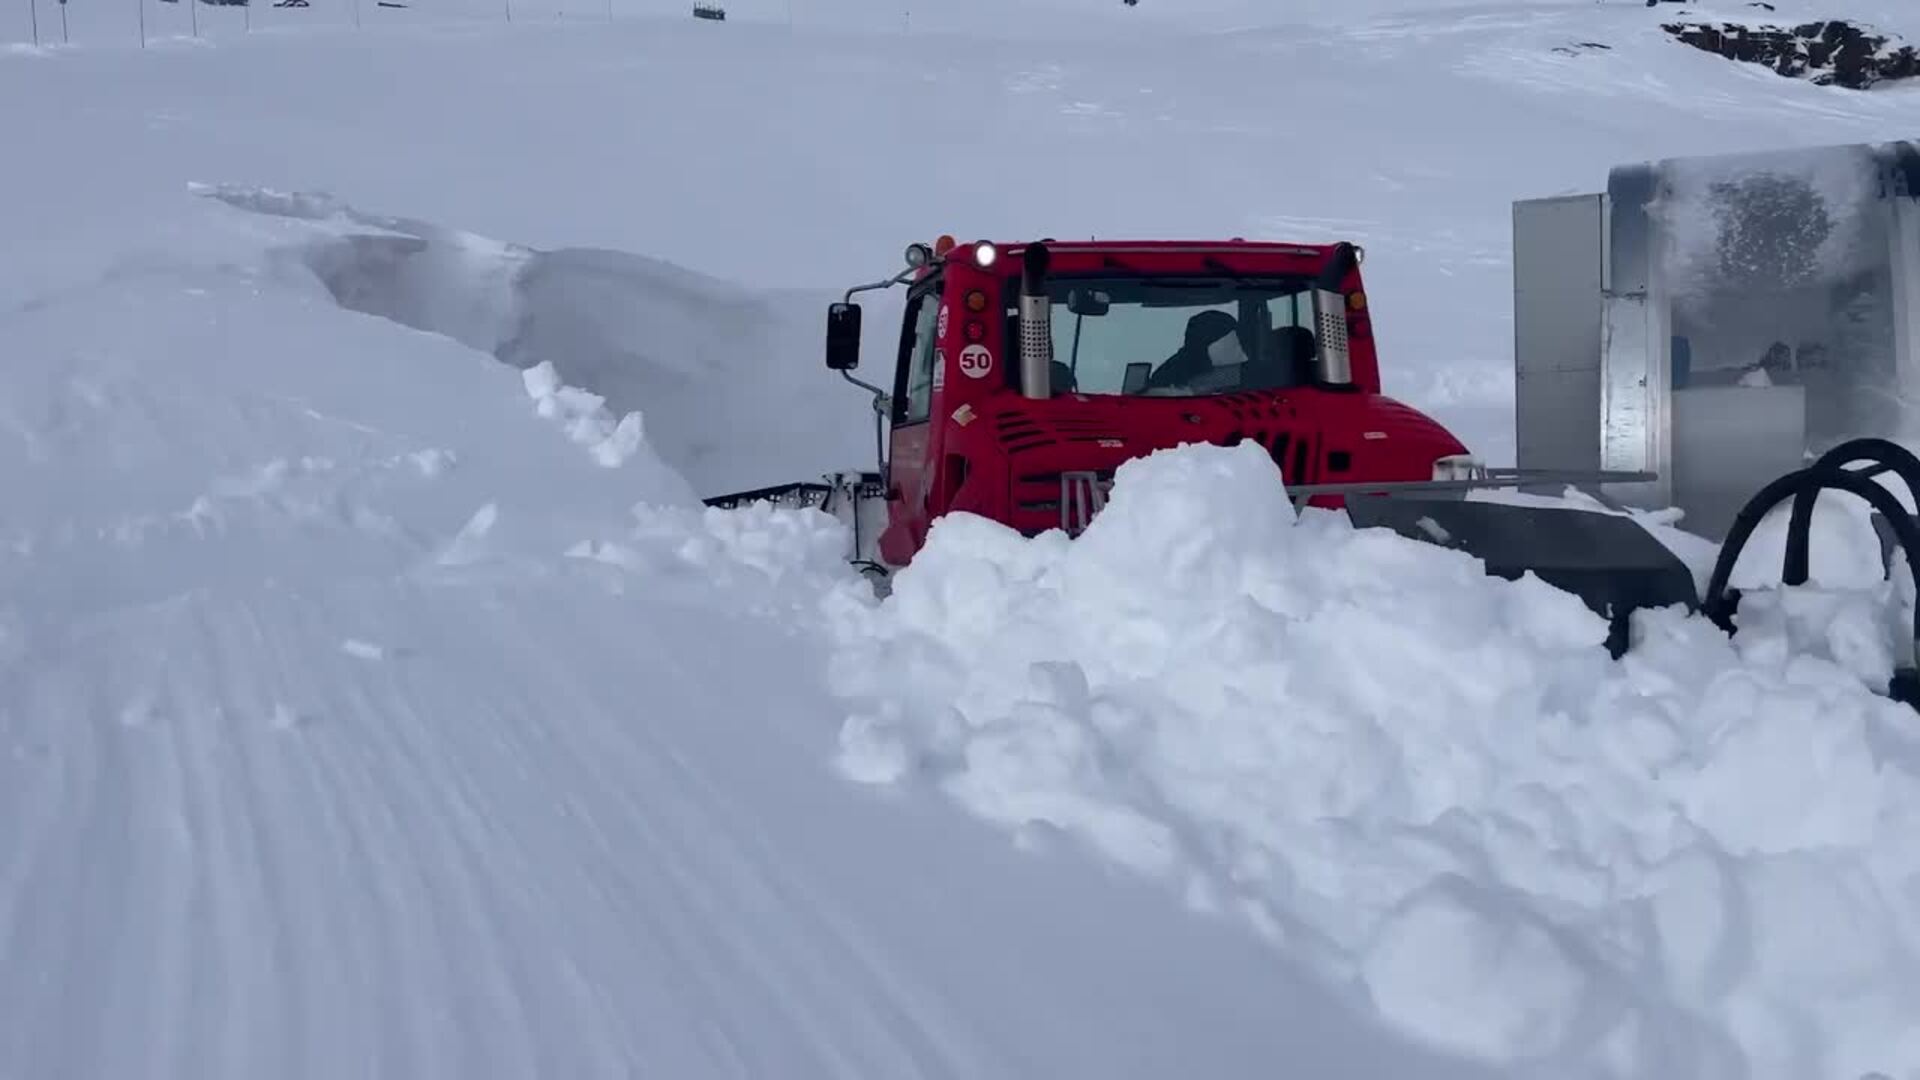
<point x="1025" y="374"/>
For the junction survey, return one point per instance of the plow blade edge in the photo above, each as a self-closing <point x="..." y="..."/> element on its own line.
<point x="1608" y="560"/>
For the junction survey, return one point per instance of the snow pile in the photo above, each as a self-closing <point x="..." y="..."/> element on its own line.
<point x="584" y="415"/>
<point x="770" y="561"/>
<point x="1431" y="784"/>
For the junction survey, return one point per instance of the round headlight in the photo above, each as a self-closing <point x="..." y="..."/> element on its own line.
<point x="985" y="253"/>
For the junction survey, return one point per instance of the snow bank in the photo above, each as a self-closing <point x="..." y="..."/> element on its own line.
<point x="1433" y="784"/>
<point x="728" y="377"/>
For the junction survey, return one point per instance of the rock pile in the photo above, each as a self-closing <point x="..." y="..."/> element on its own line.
<point x="1833" y="52"/>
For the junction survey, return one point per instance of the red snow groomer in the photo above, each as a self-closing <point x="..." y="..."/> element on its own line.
<point x="1025" y="374"/>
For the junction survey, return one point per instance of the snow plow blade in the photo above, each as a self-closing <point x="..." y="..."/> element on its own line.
<point x="1608" y="560"/>
<point x="858" y="499"/>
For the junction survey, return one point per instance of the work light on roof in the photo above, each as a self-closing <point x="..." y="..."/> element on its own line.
<point x="984" y="254"/>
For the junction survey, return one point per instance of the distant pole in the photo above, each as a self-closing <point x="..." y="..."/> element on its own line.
<point x="509" y="10"/>
<point x="64" y="40"/>
<point x="193" y="6"/>
<point x="33" y="16"/>
<point x="246" y="16"/>
<point x="141" y="6"/>
<point x="356" y="14"/>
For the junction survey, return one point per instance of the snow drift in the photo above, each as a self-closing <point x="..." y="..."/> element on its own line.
<point x="1432" y="783"/>
<point x="728" y="376"/>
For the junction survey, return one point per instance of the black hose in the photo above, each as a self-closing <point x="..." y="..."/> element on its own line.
<point x="1885" y="456"/>
<point x="1905" y="686"/>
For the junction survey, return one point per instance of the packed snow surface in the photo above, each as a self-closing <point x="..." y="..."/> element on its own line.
<point x="376" y="698"/>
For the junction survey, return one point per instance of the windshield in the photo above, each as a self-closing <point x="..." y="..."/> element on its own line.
<point x="1180" y="337"/>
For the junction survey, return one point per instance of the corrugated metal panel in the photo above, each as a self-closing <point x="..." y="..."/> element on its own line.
<point x="1635" y="385"/>
<point x="1906" y="299"/>
<point x="1558" y="259"/>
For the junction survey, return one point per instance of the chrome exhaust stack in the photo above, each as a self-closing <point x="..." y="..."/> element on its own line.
<point x="1333" y="365"/>
<point x="1036" y="325"/>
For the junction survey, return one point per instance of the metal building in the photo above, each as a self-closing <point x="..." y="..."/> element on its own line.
<point x="1715" y="320"/>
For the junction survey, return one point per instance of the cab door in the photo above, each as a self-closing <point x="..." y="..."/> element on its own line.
<point x="911" y="453"/>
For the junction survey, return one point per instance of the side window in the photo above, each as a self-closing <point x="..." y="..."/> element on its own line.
<point x="915" y="387"/>
<point x="1295" y="310"/>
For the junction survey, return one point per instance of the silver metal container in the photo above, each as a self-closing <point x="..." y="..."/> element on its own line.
<point x="1717" y="320"/>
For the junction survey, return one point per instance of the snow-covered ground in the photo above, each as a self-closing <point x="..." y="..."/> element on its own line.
<point x="352" y="725"/>
<point x="377" y="701"/>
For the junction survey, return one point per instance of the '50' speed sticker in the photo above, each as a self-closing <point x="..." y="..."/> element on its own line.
<point x="976" y="361"/>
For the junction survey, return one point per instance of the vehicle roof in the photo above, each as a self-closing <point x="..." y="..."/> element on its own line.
<point x="1166" y="247"/>
<point x="1073" y="256"/>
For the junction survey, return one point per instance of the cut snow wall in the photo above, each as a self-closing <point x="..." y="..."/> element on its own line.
<point x="728" y="379"/>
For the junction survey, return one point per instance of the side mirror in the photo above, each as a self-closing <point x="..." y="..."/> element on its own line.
<point x="843" y="337"/>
